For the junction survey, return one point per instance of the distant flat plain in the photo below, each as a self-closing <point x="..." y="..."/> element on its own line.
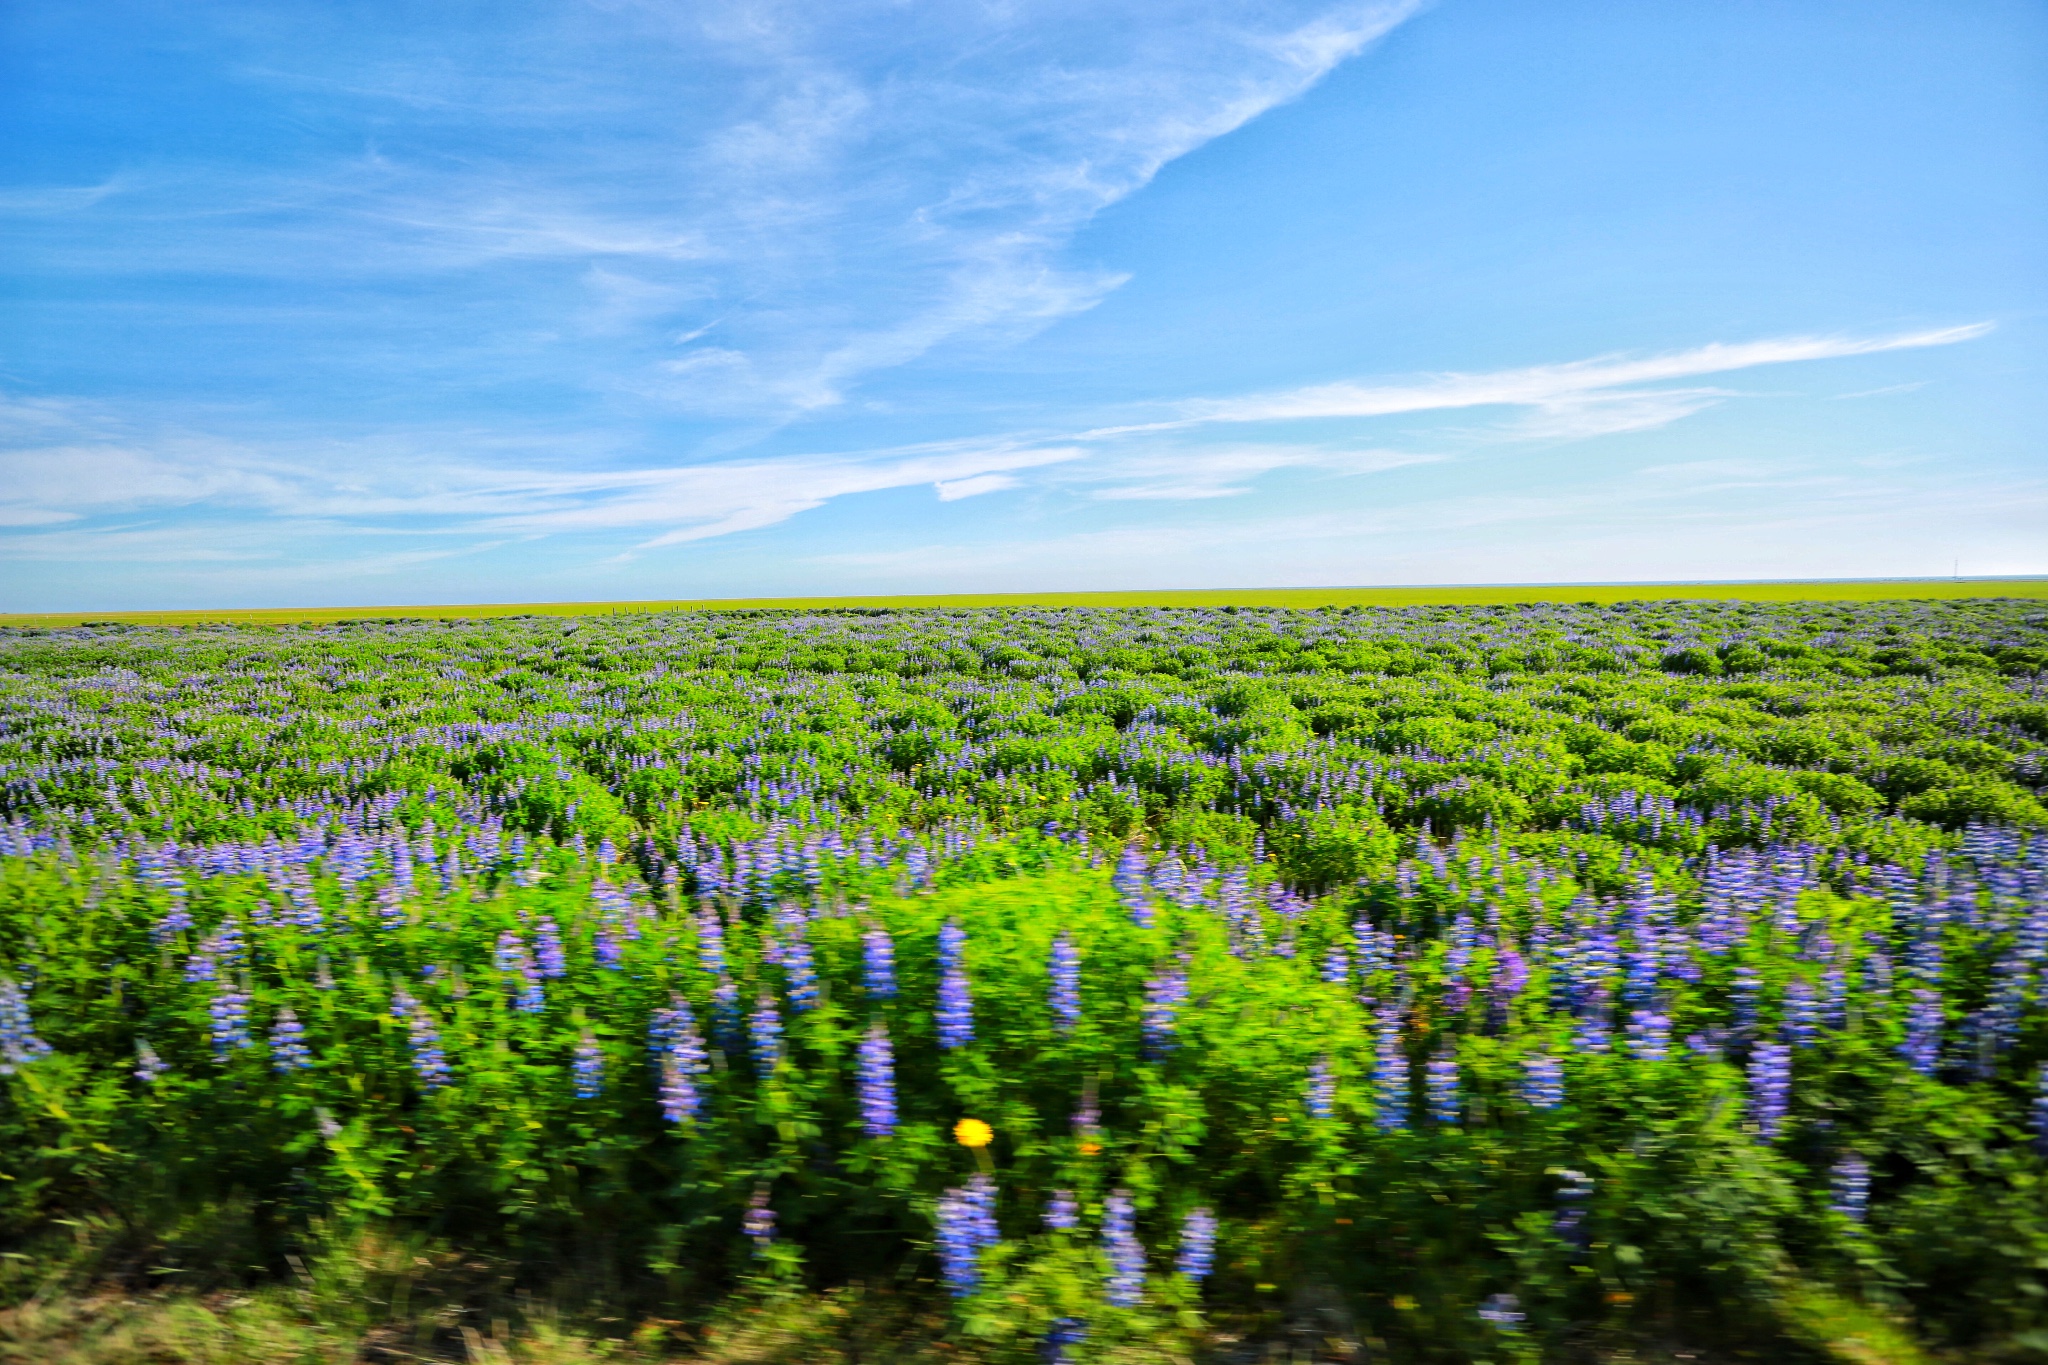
<point x="1479" y="595"/>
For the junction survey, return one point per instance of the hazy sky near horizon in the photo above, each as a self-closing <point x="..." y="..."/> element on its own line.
<point x="602" y="299"/>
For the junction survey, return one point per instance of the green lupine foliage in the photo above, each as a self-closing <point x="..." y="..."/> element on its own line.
<point x="1767" y="804"/>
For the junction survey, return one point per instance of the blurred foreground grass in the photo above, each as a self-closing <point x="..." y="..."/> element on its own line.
<point x="374" y="1299"/>
<point x="276" y="1327"/>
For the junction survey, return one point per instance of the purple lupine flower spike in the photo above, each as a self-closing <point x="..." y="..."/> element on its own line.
<point x="878" y="963"/>
<point x="1126" y="1257"/>
<point x="427" y="1058"/>
<point x="288" y="1042"/>
<point x="1064" y="992"/>
<point x="956" y="1006"/>
<point x="1390" y="1077"/>
<point x="1322" y="1089"/>
<point x="877" y="1083"/>
<point x="19" y="1044"/>
<point x="552" y="963"/>
<point x="1770" y="1087"/>
<point x="1849" y="1187"/>
<point x="1062" y="1211"/>
<point x="1132" y="887"/>
<point x="228" y="1021"/>
<point x="588" y="1067"/>
<point x="1543" y="1081"/>
<point x="966" y="1228"/>
<point x="1922" y="1045"/>
<point x="764" y="1033"/>
<point x="1649" y="1035"/>
<point x="1442" y="1081"/>
<point x="2039" y="1113"/>
<point x="1163" y="996"/>
<point x="1197" y="1244"/>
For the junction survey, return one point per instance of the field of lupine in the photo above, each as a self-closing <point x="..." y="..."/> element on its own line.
<point x="1504" y="983"/>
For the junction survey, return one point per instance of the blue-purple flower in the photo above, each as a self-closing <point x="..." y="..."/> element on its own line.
<point x="1922" y="1045"/>
<point x="710" y="942"/>
<point x="1065" y="1334"/>
<point x="1770" y="1087"/>
<point x="19" y="1044"/>
<point x="1064" y="991"/>
<point x="956" y="1005"/>
<point x="1849" y="1187"/>
<point x="1390" y="1077"/>
<point x="517" y="964"/>
<point x="878" y="963"/>
<point x="2039" y="1112"/>
<point x="1163" y="996"/>
<point x="551" y="963"/>
<point x="801" y="974"/>
<point x="764" y="1035"/>
<point x="588" y="1067"/>
<point x="877" y="1083"/>
<point x="1574" y="1196"/>
<point x="228" y="1021"/>
<point x="1441" y="1078"/>
<point x="1649" y="1035"/>
<point x="428" y="1061"/>
<point x="288" y="1042"/>
<point x="1062" y="1211"/>
<point x="1132" y="886"/>
<point x="725" y="1012"/>
<point x="1197" y="1244"/>
<point x="680" y="1098"/>
<point x="1322" y="1089"/>
<point x="1502" y="1312"/>
<point x="1542" y="1081"/>
<point x="966" y="1226"/>
<point x="1120" y="1244"/>
<point x="1802" y="1012"/>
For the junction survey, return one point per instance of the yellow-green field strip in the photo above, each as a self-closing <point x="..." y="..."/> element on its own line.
<point x="1839" y="590"/>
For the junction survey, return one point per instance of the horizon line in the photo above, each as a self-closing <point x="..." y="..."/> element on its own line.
<point x="1479" y="594"/>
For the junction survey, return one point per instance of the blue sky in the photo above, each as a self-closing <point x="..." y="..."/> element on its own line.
<point x="379" y="302"/>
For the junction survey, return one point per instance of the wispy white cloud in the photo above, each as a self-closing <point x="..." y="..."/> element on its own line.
<point x="1078" y="129"/>
<point x="973" y="486"/>
<point x="844" y="188"/>
<point x="70" y="462"/>
<point x="1578" y="384"/>
<point x="61" y="199"/>
<point x="719" y="499"/>
<point x="1883" y="390"/>
<point x="502" y="224"/>
<point x="1577" y="400"/>
<point x="106" y="472"/>
<point x="1580" y="416"/>
<point x="1155" y="473"/>
<point x="623" y="302"/>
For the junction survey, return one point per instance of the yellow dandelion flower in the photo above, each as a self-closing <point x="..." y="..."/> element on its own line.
<point x="973" y="1133"/>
